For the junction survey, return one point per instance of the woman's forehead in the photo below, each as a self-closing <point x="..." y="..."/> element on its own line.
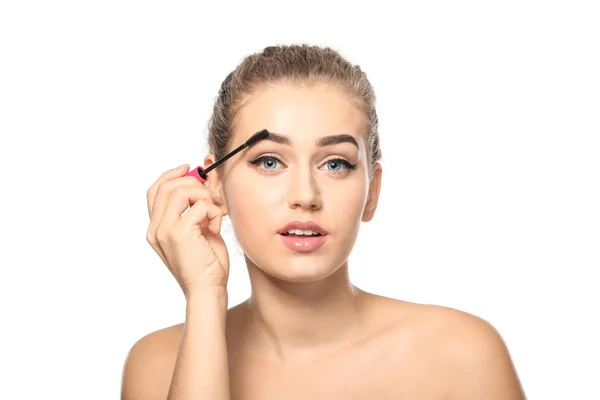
<point x="298" y="113"/>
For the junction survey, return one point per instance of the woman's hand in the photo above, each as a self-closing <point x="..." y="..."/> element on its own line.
<point x="191" y="245"/>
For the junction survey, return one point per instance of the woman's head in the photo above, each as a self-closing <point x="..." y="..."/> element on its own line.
<point x="302" y="94"/>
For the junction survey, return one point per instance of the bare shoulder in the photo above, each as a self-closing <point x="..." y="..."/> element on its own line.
<point x="477" y="358"/>
<point x="467" y="352"/>
<point x="150" y="363"/>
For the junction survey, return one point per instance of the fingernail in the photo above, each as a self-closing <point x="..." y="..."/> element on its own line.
<point x="181" y="166"/>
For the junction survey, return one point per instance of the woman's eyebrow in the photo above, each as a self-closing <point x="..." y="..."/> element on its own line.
<point x="320" y="142"/>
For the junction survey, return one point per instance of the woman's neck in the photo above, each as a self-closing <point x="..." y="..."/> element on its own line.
<point x="296" y="321"/>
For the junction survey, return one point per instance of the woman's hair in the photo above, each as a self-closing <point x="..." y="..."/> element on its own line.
<point x="301" y="65"/>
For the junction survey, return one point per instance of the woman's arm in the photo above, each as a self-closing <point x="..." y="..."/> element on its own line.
<point x="183" y="363"/>
<point x="201" y="370"/>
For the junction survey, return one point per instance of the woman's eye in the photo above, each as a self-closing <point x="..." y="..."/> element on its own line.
<point x="269" y="162"/>
<point x="336" y="164"/>
<point x="265" y="162"/>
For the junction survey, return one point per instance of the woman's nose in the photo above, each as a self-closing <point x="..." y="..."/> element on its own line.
<point x="304" y="190"/>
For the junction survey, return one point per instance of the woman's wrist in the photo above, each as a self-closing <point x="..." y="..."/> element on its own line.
<point x="211" y="298"/>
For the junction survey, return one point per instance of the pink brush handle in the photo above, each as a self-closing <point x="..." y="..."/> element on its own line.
<point x="196" y="172"/>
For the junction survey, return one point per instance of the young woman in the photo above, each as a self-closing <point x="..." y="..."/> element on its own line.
<point x="306" y="332"/>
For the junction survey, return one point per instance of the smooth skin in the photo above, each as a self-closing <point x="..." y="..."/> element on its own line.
<point x="306" y="332"/>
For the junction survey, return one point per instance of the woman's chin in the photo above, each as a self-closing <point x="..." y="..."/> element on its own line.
<point x="300" y="271"/>
<point x="297" y="267"/>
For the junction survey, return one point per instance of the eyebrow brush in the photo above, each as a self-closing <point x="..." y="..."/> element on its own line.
<point x="200" y="173"/>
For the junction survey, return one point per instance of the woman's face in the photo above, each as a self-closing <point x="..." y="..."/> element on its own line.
<point x="271" y="183"/>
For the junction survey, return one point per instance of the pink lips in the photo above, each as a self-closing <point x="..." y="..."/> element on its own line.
<point x="303" y="243"/>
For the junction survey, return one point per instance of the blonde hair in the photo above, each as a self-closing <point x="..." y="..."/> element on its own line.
<point x="302" y="65"/>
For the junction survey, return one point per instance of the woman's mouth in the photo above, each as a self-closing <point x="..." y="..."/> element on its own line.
<point x="301" y="233"/>
<point x="302" y="236"/>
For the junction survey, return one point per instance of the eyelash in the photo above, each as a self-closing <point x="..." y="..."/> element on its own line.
<point x="263" y="157"/>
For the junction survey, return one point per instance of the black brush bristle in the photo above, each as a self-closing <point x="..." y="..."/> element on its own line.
<point x="256" y="137"/>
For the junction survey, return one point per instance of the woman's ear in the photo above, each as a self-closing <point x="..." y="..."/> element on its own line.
<point x="215" y="184"/>
<point x="373" y="196"/>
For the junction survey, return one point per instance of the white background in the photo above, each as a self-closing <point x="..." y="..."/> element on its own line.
<point x="490" y="200"/>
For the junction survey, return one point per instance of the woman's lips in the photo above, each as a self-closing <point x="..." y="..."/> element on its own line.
<point x="302" y="242"/>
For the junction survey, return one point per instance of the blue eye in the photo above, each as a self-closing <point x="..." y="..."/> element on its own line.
<point x="335" y="163"/>
<point x="269" y="161"/>
<point x="265" y="161"/>
<point x="339" y="163"/>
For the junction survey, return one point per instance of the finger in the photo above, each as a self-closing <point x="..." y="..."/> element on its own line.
<point x="166" y="190"/>
<point x="197" y="218"/>
<point x="163" y="195"/>
<point x="181" y="198"/>
<point x="168" y="175"/>
<point x="204" y="214"/>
